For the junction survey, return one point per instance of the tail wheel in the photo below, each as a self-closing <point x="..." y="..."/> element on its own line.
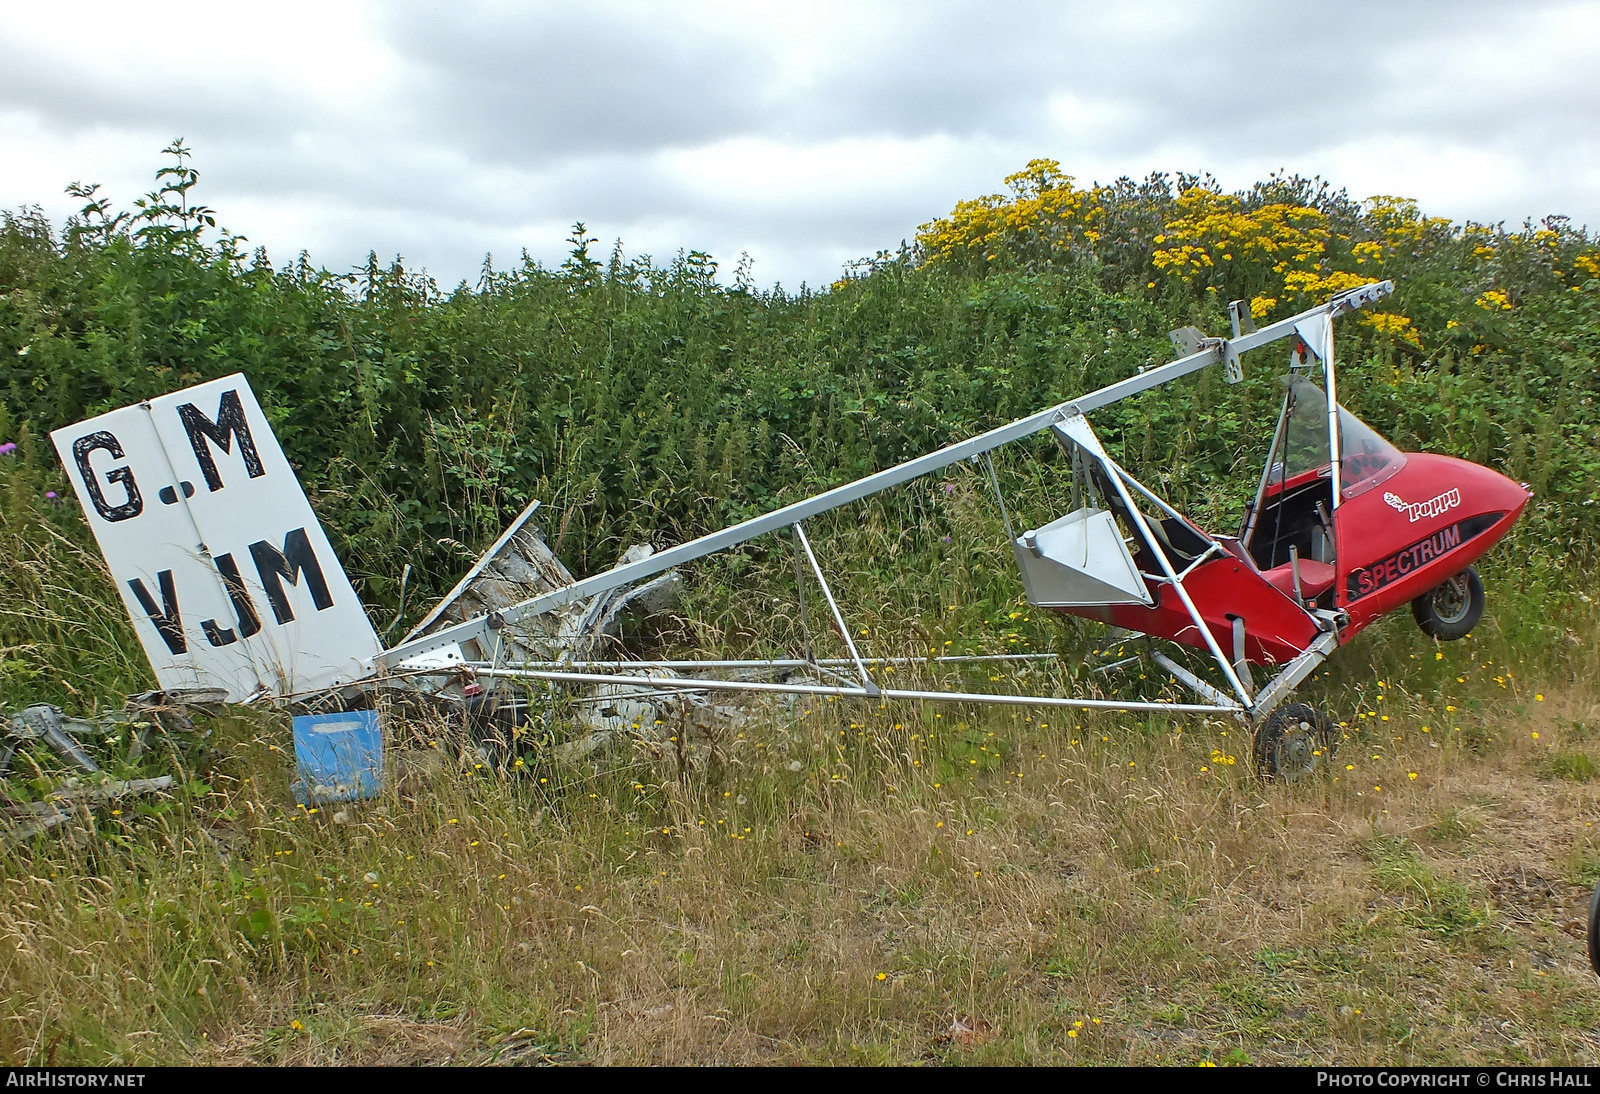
<point x="1453" y="608"/>
<point x="1295" y="742"/>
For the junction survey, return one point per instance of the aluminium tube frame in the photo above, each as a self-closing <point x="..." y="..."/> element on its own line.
<point x="1247" y="708"/>
<point x="1213" y="351"/>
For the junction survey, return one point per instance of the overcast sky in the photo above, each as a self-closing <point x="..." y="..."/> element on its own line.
<point x="804" y="134"/>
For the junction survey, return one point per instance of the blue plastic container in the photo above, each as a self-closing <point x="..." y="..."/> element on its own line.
<point x="340" y="756"/>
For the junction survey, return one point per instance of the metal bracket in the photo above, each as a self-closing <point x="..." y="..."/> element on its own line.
<point x="1241" y="664"/>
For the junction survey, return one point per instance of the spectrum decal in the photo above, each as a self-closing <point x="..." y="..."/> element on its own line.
<point x="1386" y="571"/>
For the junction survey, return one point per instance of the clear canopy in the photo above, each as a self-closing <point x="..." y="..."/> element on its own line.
<point x="1366" y="458"/>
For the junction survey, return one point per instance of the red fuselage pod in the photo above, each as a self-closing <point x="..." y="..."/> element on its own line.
<point x="1276" y="629"/>
<point x="1415" y="528"/>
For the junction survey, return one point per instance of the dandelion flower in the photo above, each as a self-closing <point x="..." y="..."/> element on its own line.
<point x="1412" y="774"/>
<point x="883" y="976"/>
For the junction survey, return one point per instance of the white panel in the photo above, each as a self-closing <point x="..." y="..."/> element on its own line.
<point x="188" y="488"/>
<point x="1316" y="331"/>
<point x="1080" y="560"/>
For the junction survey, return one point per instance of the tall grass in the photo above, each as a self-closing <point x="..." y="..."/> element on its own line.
<point x="845" y="881"/>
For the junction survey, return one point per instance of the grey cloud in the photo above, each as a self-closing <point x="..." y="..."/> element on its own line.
<point x="74" y="97"/>
<point x="507" y="123"/>
<point x="532" y="85"/>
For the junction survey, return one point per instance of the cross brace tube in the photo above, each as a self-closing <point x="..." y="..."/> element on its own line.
<point x="1117" y="475"/>
<point x="833" y="606"/>
<point x="1193" y="682"/>
<point x="687" y="684"/>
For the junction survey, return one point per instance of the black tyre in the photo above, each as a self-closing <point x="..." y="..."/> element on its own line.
<point x="1295" y="742"/>
<point x="1452" y="609"/>
<point x="1594" y="931"/>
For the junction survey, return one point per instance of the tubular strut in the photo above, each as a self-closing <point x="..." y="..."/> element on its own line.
<point x="1118" y="474"/>
<point x="844" y="629"/>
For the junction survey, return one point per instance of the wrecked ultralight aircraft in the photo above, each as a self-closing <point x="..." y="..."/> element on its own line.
<point x="230" y="581"/>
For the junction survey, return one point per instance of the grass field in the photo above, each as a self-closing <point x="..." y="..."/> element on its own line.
<point x="841" y="883"/>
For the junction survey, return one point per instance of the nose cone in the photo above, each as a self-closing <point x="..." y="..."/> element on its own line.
<point x="1483" y="491"/>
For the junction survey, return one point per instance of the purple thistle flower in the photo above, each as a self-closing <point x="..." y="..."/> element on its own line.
<point x="8" y="448"/>
<point x="52" y="496"/>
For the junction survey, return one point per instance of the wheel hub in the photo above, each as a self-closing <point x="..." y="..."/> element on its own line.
<point x="1452" y="599"/>
<point x="1297" y="751"/>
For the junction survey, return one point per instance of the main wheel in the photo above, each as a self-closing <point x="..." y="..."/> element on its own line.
<point x="1452" y="609"/>
<point x="1296" y="741"/>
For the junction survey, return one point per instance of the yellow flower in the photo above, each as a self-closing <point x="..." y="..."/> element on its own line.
<point x="1072" y="1033"/>
<point x="1412" y="774"/>
<point x="296" y="1024"/>
<point x="883" y="976"/>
